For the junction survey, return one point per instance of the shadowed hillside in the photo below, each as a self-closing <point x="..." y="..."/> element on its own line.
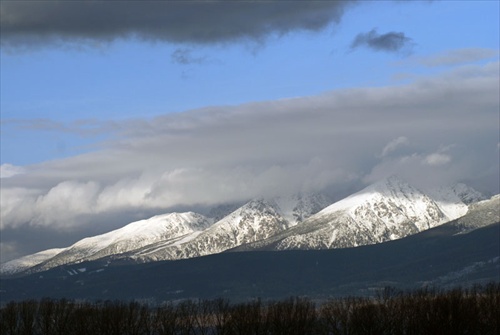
<point x="439" y="257"/>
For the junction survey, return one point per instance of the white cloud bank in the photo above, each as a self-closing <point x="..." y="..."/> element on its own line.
<point x="9" y="170"/>
<point x="229" y="153"/>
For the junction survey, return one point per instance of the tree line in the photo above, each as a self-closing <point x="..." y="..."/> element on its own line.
<point x="426" y="311"/>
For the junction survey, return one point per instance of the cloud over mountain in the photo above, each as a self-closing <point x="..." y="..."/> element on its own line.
<point x="230" y="153"/>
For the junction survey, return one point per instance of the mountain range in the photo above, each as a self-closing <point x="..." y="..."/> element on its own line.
<point x="388" y="210"/>
<point x="462" y="252"/>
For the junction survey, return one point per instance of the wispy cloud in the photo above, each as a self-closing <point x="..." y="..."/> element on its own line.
<point x="458" y="56"/>
<point x="436" y="159"/>
<point x="9" y="170"/>
<point x="395" y="144"/>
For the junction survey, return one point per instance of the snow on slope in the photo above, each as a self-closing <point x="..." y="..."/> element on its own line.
<point x="167" y="227"/>
<point x="454" y="201"/>
<point x="467" y="194"/>
<point x="480" y="214"/>
<point x="184" y="235"/>
<point x="26" y="262"/>
<point x="256" y="220"/>
<point x="387" y="210"/>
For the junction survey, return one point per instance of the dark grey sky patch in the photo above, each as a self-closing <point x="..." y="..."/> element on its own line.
<point x="185" y="56"/>
<point x="28" y="23"/>
<point x="389" y="42"/>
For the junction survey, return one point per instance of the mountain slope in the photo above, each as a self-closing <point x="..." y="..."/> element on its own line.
<point x="446" y="255"/>
<point x="167" y="228"/>
<point x="29" y="261"/>
<point x="387" y="210"/>
<point x="480" y="214"/>
<point x="256" y="220"/>
<point x="182" y="235"/>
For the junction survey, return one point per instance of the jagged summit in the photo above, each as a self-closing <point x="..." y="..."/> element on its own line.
<point x="255" y="220"/>
<point x="387" y="210"/>
<point x="467" y="194"/>
<point x="392" y="187"/>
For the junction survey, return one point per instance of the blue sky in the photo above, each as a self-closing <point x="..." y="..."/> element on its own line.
<point x="122" y="116"/>
<point x="130" y="78"/>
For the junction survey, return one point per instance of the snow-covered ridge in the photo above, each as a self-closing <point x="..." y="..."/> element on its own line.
<point x="452" y="201"/>
<point x="147" y="231"/>
<point x="256" y="220"/>
<point x="185" y="235"/>
<point x="384" y="211"/>
<point x="480" y="214"/>
<point x="26" y="262"/>
<point x="133" y="236"/>
<point x="387" y="210"/>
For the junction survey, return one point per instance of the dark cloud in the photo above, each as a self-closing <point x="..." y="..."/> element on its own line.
<point x="27" y="23"/>
<point x="390" y="42"/>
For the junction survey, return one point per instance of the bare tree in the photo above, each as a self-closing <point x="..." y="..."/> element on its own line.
<point x="9" y="319"/>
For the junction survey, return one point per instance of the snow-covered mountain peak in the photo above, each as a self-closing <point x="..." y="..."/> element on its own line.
<point x="386" y="210"/>
<point x="256" y="220"/>
<point x="389" y="188"/>
<point x="259" y="204"/>
<point x="253" y="213"/>
<point x="467" y="194"/>
<point x="135" y="235"/>
<point x="454" y="200"/>
<point x="155" y="228"/>
<point x="300" y="206"/>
